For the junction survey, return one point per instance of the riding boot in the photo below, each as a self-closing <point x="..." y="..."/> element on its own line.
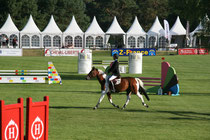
<point x="113" y="86"/>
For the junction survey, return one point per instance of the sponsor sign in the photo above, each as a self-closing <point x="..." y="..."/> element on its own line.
<point x="192" y="51"/>
<point x="37" y="119"/>
<point x="12" y="121"/>
<point x="10" y="52"/>
<point x="37" y="128"/>
<point x="64" y="52"/>
<point x="126" y="52"/>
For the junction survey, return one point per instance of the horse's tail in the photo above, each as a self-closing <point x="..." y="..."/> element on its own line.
<point x="142" y="89"/>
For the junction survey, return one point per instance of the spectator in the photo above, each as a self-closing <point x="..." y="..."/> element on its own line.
<point x="7" y="42"/>
<point x="1" y="42"/>
<point x="14" y="42"/>
<point x="4" y="41"/>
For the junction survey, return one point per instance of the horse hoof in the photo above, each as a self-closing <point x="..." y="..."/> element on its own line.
<point x="117" y="106"/>
<point x="95" y="108"/>
<point x="146" y="106"/>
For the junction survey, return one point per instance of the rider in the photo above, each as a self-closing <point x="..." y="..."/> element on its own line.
<point x="114" y="70"/>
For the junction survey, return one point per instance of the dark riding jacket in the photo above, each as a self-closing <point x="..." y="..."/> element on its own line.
<point x="114" y="68"/>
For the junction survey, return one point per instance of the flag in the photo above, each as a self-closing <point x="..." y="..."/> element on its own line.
<point x="188" y="33"/>
<point x="166" y="28"/>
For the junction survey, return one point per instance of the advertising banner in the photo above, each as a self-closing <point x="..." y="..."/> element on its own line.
<point x="12" y="123"/>
<point x="126" y="52"/>
<point x="193" y="51"/>
<point x="64" y="52"/>
<point x="37" y="119"/>
<point x="10" y="52"/>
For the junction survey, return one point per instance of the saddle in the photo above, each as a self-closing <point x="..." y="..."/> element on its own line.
<point x="114" y="82"/>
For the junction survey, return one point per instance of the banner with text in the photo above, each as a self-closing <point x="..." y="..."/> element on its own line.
<point x="64" y="52"/>
<point x="10" y="52"/>
<point x="126" y="52"/>
<point x="193" y="51"/>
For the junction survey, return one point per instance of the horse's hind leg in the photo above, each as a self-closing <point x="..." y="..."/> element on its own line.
<point x="142" y="99"/>
<point x="127" y="100"/>
<point x="110" y="100"/>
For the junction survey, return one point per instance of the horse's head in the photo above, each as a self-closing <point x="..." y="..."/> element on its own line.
<point x="92" y="73"/>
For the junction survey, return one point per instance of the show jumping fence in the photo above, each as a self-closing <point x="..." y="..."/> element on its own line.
<point x="168" y="81"/>
<point x="31" y="76"/>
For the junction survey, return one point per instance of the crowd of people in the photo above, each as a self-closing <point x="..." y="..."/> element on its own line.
<point x="4" y="42"/>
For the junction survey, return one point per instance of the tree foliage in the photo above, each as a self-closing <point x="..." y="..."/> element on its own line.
<point x="104" y="10"/>
<point x="206" y="26"/>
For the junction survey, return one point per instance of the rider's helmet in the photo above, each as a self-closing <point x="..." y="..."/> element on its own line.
<point x="115" y="56"/>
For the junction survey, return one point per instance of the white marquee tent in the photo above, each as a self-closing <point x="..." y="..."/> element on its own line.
<point x="9" y="30"/>
<point x="51" y="35"/>
<point x="156" y="34"/>
<point x="197" y="29"/>
<point x="178" y="28"/>
<point x="115" y="30"/>
<point x="94" y="35"/>
<point x="193" y="37"/>
<point x="136" y="36"/>
<point x="178" y="33"/>
<point x="73" y="35"/>
<point x="30" y="35"/>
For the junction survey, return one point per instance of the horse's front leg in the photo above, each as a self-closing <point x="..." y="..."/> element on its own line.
<point x="110" y="100"/>
<point x="100" y="99"/>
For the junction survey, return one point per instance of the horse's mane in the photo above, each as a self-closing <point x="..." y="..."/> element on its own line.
<point x="102" y="73"/>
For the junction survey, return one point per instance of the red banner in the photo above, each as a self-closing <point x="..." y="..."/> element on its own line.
<point x="192" y="51"/>
<point x="12" y="124"/>
<point x="37" y="119"/>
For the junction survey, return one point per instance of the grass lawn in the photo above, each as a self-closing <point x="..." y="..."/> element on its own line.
<point x="72" y="117"/>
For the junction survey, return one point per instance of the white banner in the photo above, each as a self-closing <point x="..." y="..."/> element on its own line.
<point x="10" y="52"/>
<point x="64" y="52"/>
<point x="166" y="28"/>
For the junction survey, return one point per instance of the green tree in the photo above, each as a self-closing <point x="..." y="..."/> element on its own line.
<point x="28" y="7"/>
<point x="62" y="10"/>
<point x="188" y="10"/>
<point x="19" y="11"/>
<point x="12" y="7"/>
<point x="65" y="9"/>
<point x="149" y="9"/>
<point x="46" y="8"/>
<point x="206" y="25"/>
<point x="105" y="10"/>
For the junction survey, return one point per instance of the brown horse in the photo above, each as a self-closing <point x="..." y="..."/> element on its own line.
<point x="128" y="84"/>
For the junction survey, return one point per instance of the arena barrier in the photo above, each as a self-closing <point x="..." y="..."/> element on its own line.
<point x="167" y="84"/>
<point x="31" y="76"/>
<point x="105" y="63"/>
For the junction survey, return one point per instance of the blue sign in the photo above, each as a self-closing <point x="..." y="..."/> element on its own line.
<point x="126" y="52"/>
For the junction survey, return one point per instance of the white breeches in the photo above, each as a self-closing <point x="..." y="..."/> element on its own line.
<point x="109" y="78"/>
